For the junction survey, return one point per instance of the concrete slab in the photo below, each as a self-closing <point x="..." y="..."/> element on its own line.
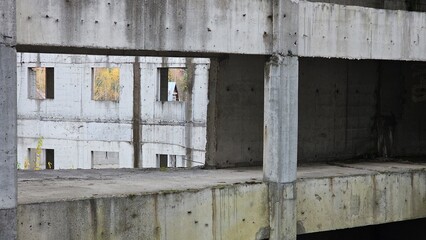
<point x="215" y="204"/>
<point x="64" y="185"/>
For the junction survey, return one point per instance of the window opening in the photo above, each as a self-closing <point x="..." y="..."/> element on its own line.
<point x="173" y="84"/>
<point x="106" y="84"/>
<point x="41" y="84"/>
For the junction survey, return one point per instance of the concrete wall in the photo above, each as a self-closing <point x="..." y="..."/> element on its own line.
<point x="235" y="129"/>
<point x="329" y="30"/>
<point x="211" y="213"/>
<point x="174" y="128"/>
<point x="337" y="106"/>
<point x="74" y="125"/>
<point x="402" y="128"/>
<point x="358" y="108"/>
<point x="8" y="191"/>
<point x="374" y="194"/>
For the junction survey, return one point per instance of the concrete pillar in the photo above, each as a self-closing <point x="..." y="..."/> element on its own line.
<point x="280" y="143"/>
<point x="281" y="116"/>
<point x="8" y="112"/>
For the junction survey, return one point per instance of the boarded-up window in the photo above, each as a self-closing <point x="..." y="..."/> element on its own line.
<point x="106" y="84"/>
<point x="173" y="84"/>
<point x="102" y="159"/>
<point x="41" y="84"/>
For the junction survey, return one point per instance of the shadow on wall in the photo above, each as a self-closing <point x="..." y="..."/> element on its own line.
<point x="352" y="109"/>
<point x="407" y="230"/>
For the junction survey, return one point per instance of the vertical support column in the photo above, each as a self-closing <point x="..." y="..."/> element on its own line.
<point x="280" y="143"/>
<point x="280" y="120"/>
<point x="211" y="133"/>
<point x="8" y="120"/>
<point x="137" y="114"/>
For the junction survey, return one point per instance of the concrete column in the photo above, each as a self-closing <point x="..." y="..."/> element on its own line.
<point x="280" y="143"/>
<point x="8" y="112"/>
<point x="280" y="120"/>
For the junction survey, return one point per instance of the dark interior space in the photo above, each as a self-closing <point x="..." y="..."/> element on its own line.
<point x="406" y="5"/>
<point x="406" y="230"/>
<point x="361" y="109"/>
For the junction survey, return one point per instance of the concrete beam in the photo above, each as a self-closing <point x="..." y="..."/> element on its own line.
<point x="207" y="28"/>
<point x="8" y="120"/>
<point x="233" y="202"/>
<point x="360" y="195"/>
<point x="339" y="31"/>
<point x="152" y="27"/>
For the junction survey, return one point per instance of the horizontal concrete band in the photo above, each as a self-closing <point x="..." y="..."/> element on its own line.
<point x="217" y="204"/>
<point x="203" y="28"/>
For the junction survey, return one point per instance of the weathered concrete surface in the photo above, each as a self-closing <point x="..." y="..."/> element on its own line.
<point x="217" y="204"/>
<point x="282" y="210"/>
<point x="281" y="119"/>
<point x="190" y="204"/>
<point x="8" y="120"/>
<point x="236" y="26"/>
<point x="235" y="112"/>
<point x="232" y="26"/>
<point x="359" y="194"/>
<point x="331" y="30"/>
<point x="74" y="125"/>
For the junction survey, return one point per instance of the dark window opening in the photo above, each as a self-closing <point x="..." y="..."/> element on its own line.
<point x="170" y="161"/>
<point x="173" y="84"/>
<point x="41" y="84"/>
<point x="39" y="159"/>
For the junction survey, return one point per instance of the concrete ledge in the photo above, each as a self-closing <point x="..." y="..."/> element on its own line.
<point x="353" y="195"/>
<point x="215" y="204"/>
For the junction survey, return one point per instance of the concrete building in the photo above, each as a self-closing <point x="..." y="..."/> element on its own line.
<point x="327" y="96"/>
<point x="84" y="132"/>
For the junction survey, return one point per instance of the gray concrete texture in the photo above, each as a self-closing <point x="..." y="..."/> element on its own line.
<point x="235" y="112"/>
<point x="215" y="204"/>
<point x="8" y="114"/>
<point x="310" y="29"/>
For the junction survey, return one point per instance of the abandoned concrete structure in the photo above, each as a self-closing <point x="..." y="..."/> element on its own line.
<point x="327" y="95"/>
<point x="79" y="129"/>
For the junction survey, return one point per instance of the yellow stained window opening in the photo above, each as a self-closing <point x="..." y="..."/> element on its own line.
<point x="106" y="84"/>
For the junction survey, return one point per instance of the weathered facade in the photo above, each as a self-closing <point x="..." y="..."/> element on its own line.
<point x="323" y="94"/>
<point x="78" y="127"/>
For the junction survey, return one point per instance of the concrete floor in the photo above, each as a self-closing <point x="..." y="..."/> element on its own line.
<point x="60" y="185"/>
<point x="217" y="204"/>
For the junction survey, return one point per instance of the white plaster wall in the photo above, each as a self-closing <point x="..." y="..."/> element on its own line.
<point x="74" y="125"/>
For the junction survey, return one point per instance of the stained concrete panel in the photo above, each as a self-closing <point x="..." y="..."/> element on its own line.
<point x="213" y="204"/>
<point x="370" y="193"/>
<point x="236" y="112"/>
<point x="337" y="106"/>
<point x="151" y="26"/>
<point x="331" y="30"/>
